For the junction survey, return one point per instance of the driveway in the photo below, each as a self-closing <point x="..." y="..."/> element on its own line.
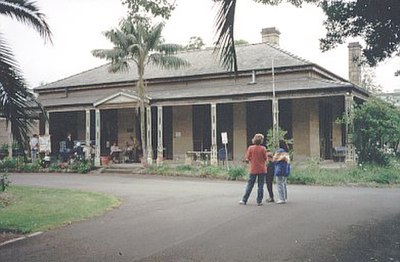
<point x="184" y="219"/>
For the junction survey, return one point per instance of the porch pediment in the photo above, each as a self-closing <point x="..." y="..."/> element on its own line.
<point x="121" y="97"/>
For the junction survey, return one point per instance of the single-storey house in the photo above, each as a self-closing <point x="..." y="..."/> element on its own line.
<point x="189" y="108"/>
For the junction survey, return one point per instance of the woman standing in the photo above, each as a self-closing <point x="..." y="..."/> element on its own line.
<point x="282" y="171"/>
<point x="257" y="156"/>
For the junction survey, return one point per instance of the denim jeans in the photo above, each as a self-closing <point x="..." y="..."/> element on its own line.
<point x="281" y="186"/>
<point x="269" y="180"/>
<point x="33" y="155"/>
<point x="250" y="185"/>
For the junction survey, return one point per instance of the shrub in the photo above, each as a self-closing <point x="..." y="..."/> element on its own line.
<point x="8" y="164"/>
<point x="236" y="172"/>
<point x="81" y="166"/>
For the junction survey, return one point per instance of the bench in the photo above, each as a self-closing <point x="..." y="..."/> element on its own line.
<point x="339" y="153"/>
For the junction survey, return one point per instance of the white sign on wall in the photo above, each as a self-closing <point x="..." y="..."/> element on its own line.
<point x="224" y="136"/>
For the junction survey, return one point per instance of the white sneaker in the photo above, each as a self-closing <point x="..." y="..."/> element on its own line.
<point x="280" y="201"/>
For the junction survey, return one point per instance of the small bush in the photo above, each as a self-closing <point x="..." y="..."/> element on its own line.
<point x="81" y="166"/>
<point x="236" y="172"/>
<point x="8" y="164"/>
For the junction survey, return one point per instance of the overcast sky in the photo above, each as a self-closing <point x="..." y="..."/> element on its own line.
<point x="77" y="27"/>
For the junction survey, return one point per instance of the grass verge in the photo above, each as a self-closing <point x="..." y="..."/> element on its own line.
<point x="30" y="209"/>
<point x="306" y="174"/>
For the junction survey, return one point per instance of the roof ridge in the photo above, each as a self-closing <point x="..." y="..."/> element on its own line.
<point x="277" y="47"/>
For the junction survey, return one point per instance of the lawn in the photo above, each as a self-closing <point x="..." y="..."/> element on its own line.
<point x="30" y="209"/>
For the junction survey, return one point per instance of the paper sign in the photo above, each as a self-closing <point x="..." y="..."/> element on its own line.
<point x="224" y="136"/>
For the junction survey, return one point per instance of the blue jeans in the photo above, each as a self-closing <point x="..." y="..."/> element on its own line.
<point x="33" y="155"/>
<point x="281" y="186"/>
<point x="250" y="185"/>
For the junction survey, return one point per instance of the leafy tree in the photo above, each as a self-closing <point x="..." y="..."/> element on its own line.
<point x="368" y="80"/>
<point x="273" y="144"/>
<point x="195" y="43"/>
<point x="137" y="41"/>
<point x="376" y="21"/>
<point x="157" y="8"/>
<point x="376" y="128"/>
<point x="15" y="100"/>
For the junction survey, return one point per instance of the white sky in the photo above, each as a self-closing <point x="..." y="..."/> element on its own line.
<point x="77" y="27"/>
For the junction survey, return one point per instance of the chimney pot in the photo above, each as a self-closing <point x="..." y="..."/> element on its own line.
<point x="270" y="35"/>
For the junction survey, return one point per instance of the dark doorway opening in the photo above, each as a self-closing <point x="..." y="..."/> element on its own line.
<point x="259" y="118"/>
<point x="225" y="124"/>
<point x="201" y="127"/>
<point x="325" y="130"/>
<point x="109" y="130"/>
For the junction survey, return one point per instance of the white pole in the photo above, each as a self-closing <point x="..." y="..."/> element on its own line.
<point x="275" y="109"/>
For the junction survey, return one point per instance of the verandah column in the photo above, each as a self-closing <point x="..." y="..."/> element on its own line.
<point x="87" y="133"/>
<point x="97" y="151"/>
<point x="160" y="146"/>
<point x="148" y="132"/>
<point x="47" y="124"/>
<point x="350" y="150"/>
<point x="214" y="160"/>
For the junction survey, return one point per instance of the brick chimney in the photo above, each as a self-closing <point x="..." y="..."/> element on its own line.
<point x="355" y="63"/>
<point x="270" y="35"/>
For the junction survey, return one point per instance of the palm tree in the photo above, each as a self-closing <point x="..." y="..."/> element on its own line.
<point x="15" y="100"/>
<point x="141" y="43"/>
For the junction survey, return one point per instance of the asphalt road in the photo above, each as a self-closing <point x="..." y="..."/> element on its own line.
<point x="182" y="219"/>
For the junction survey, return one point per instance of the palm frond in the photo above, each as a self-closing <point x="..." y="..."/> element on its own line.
<point x="225" y="46"/>
<point x="167" y="61"/>
<point x="27" y="12"/>
<point x="16" y="103"/>
<point x="154" y="36"/>
<point x="169" y="49"/>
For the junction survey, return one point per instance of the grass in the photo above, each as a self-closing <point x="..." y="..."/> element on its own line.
<point x="30" y="209"/>
<point x="368" y="175"/>
<point x="311" y="173"/>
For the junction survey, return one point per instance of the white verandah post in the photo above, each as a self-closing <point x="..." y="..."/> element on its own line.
<point x="148" y="132"/>
<point x="214" y="160"/>
<point x="97" y="148"/>
<point x="160" y="146"/>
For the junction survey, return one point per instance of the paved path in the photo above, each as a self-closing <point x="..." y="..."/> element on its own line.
<point x="182" y="219"/>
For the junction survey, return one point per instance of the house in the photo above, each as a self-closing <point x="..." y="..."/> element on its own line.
<point x="188" y="109"/>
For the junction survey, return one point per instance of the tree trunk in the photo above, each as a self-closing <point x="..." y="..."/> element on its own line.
<point x="140" y="86"/>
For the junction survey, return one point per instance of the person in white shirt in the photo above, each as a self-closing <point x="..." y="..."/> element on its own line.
<point x="34" y="144"/>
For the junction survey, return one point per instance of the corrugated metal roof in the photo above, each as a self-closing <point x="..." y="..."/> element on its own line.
<point x="202" y="62"/>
